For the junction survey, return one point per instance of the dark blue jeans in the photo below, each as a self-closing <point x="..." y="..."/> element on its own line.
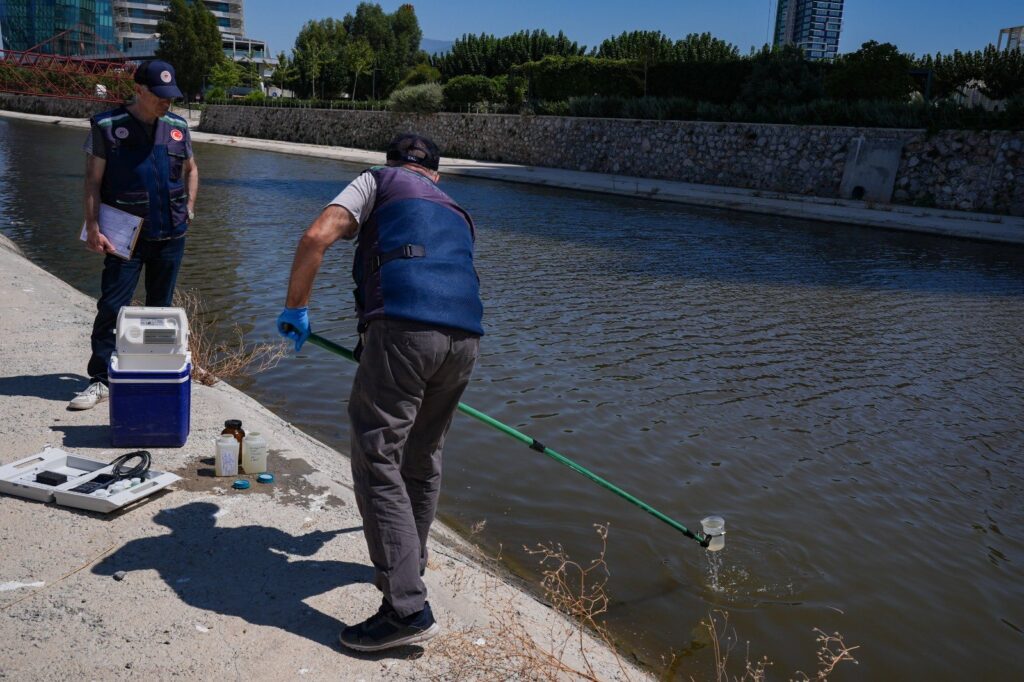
<point x="162" y="260"/>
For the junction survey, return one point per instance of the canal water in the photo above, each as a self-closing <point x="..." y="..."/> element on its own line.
<point x="850" y="400"/>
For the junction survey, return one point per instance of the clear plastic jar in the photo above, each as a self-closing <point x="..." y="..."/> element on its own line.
<point x="254" y="454"/>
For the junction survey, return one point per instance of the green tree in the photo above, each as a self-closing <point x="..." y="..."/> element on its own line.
<point x="189" y="40"/>
<point x="781" y="77"/>
<point x="558" y="78"/>
<point x="704" y="48"/>
<point x="226" y="74"/>
<point x="949" y="73"/>
<point x="1002" y="73"/>
<point x="285" y="73"/>
<point x="644" y="47"/>
<point x="877" y="72"/>
<point x="640" y="46"/>
<point x="394" y="39"/>
<point x="317" y="58"/>
<point x="486" y="55"/>
<point x="358" y="59"/>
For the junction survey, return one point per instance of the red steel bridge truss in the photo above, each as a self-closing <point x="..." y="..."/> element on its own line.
<point x="37" y="73"/>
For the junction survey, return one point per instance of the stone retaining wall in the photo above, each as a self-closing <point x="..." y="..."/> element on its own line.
<point x="53" y="106"/>
<point x="977" y="171"/>
<point x="965" y="170"/>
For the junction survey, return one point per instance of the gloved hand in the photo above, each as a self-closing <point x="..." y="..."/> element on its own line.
<point x="293" y="323"/>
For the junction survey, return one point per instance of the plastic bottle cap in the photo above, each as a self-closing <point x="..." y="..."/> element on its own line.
<point x="240" y="484"/>
<point x="233" y="423"/>
<point x="265" y="478"/>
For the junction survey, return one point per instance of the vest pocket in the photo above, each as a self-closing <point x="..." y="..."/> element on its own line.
<point x="175" y="163"/>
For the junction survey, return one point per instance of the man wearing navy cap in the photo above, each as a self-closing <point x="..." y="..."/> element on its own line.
<point x="420" y="322"/>
<point x="139" y="160"/>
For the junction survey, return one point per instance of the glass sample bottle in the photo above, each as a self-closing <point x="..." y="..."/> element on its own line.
<point x="234" y="428"/>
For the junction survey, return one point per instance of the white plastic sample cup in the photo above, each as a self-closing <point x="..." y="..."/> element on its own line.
<point x="714" y="528"/>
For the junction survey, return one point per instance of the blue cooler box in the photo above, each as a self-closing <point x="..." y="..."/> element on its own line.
<point x="149" y="408"/>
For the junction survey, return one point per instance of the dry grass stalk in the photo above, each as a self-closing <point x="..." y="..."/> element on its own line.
<point x="212" y="360"/>
<point x="832" y="651"/>
<point x="506" y="649"/>
<point x="578" y="592"/>
<point x="723" y="642"/>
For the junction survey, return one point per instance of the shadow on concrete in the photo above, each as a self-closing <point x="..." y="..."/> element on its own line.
<point x="85" y="435"/>
<point x="62" y="387"/>
<point x="248" y="572"/>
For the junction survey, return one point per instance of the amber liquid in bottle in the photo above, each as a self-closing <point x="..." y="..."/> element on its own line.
<point x="234" y="428"/>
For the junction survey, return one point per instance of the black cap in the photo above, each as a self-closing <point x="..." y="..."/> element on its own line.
<point x="411" y="148"/>
<point x="233" y="423"/>
<point x="158" y="76"/>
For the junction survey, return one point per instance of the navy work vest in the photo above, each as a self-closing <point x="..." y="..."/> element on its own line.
<point x="143" y="176"/>
<point x="414" y="256"/>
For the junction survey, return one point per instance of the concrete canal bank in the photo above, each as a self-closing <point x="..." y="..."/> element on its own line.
<point x="217" y="583"/>
<point x="263" y="133"/>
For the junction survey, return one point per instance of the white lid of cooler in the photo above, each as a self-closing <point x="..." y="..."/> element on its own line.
<point x="152" y="331"/>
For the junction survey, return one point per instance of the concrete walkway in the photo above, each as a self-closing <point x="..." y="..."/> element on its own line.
<point x="983" y="226"/>
<point x="219" y="584"/>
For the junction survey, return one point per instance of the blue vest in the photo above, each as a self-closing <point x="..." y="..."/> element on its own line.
<point x="143" y="176"/>
<point x="414" y="256"/>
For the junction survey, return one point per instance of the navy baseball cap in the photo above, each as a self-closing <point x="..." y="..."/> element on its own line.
<point x="158" y="76"/>
<point x="410" y="148"/>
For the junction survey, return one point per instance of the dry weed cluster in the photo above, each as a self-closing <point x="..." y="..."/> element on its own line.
<point x="832" y="651"/>
<point x="215" y="360"/>
<point x="511" y="648"/>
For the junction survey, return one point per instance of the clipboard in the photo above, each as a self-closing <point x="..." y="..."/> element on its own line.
<point x="120" y="228"/>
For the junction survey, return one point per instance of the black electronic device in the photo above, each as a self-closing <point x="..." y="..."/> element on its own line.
<point x="51" y="478"/>
<point x="89" y="487"/>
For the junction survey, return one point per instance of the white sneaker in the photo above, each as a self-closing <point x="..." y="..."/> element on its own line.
<point x="87" y="399"/>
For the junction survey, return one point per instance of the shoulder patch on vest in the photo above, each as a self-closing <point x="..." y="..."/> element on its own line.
<point x="176" y="121"/>
<point x="110" y="119"/>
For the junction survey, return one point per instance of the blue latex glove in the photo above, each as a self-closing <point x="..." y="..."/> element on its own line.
<point x="293" y="323"/>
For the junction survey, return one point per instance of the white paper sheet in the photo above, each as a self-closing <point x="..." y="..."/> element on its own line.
<point x="120" y="228"/>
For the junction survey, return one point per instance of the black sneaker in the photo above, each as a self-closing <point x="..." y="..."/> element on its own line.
<point x="386" y="629"/>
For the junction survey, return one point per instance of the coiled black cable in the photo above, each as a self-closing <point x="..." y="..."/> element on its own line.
<point x="138" y="471"/>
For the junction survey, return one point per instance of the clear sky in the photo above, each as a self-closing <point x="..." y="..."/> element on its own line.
<point x="918" y="26"/>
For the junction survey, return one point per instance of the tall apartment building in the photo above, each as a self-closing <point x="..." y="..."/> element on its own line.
<point x="83" y="26"/>
<point x="135" y="22"/>
<point x="1014" y="38"/>
<point x="812" y="25"/>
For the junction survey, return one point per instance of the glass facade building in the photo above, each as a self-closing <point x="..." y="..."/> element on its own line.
<point x="812" y="25"/>
<point x="84" y="27"/>
<point x="97" y="28"/>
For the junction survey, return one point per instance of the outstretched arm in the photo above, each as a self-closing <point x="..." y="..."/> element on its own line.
<point x="334" y="223"/>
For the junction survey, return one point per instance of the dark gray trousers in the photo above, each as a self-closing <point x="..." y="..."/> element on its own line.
<point x="405" y="393"/>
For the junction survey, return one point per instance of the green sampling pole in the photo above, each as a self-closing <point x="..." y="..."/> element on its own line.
<point x="535" y="444"/>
